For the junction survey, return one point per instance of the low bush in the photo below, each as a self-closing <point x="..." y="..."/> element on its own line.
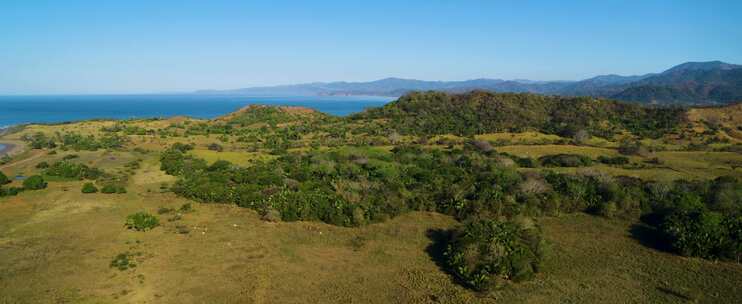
<point x="89" y="188"/>
<point x="632" y="148"/>
<point x="565" y="160"/>
<point x="4" y="179"/>
<point x="523" y="162"/>
<point x="705" y="234"/>
<point x="487" y="253"/>
<point x="35" y="182"/>
<point x="124" y="261"/>
<point x="10" y="191"/>
<point x="216" y="147"/>
<point x="111" y="189"/>
<point x="141" y="221"/>
<point x="618" y="160"/>
<point x="182" y="147"/>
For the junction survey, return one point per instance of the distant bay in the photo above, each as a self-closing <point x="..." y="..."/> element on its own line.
<point x="16" y="110"/>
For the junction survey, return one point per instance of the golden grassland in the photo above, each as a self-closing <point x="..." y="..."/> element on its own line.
<point x="56" y="244"/>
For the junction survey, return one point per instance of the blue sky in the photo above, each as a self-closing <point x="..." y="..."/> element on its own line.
<point x="72" y="47"/>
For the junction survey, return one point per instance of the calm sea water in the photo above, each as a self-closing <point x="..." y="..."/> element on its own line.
<point x="50" y="109"/>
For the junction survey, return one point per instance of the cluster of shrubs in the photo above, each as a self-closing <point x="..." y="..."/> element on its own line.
<point x="345" y="187"/>
<point x="35" y="182"/>
<point x="76" y="141"/>
<point x="699" y="218"/>
<point x="216" y="147"/>
<point x="705" y="234"/>
<point x="354" y="186"/>
<point x="633" y="148"/>
<point x="40" y="141"/>
<point x="124" y="261"/>
<point x="10" y="191"/>
<point x="4" y="179"/>
<point x="141" y="221"/>
<point x="71" y="170"/>
<point x="617" y="160"/>
<point x="565" y="160"/>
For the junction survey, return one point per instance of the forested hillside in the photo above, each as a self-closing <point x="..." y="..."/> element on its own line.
<point x="483" y="112"/>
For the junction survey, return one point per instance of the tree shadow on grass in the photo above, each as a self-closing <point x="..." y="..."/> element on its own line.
<point x="649" y="236"/>
<point x="440" y="239"/>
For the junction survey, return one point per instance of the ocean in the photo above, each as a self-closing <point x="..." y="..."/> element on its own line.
<point x="16" y="110"/>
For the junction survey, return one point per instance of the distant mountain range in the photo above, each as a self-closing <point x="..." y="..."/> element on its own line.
<point x="712" y="82"/>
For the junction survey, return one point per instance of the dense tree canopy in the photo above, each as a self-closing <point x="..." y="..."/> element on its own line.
<point x="484" y="112"/>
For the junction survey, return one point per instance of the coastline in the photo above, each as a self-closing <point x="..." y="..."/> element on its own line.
<point x="8" y="148"/>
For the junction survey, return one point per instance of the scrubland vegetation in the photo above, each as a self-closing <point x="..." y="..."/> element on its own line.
<point x="474" y="197"/>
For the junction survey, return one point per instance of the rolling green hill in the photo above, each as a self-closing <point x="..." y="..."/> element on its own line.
<point x="484" y="112"/>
